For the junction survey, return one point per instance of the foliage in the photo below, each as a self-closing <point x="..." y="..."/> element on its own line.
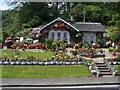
<point x="74" y="52"/>
<point x="31" y="14"/>
<point x="93" y="13"/>
<point x="115" y="35"/>
<point x="88" y="61"/>
<point x="117" y="67"/>
<point x="77" y="12"/>
<point x="69" y="45"/>
<point x="100" y="41"/>
<point x="34" y="22"/>
<point x="48" y="43"/>
<point x="118" y="58"/>
<point x="86" y="45"/>
<point x="111" y="49"/>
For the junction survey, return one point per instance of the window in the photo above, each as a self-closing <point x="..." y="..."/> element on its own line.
<point x="91" y="38"/>
<point x="59" y="36"/>
<point x="52" y="35"/>
<point x="85" y="38"/>
<point x="65" y="36"/>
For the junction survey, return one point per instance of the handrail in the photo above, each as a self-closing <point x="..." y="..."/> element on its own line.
<point x="95" y="67"/>
<point x="110" y="67"/>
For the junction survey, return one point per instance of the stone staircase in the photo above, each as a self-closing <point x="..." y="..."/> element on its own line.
<point x="104" y="69"/>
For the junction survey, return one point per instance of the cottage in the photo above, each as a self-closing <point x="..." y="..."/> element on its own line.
<point x="59" y="29"/>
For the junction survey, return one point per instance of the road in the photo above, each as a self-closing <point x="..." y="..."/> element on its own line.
<point x="96" y="87"/>
<point x="93" y="83"/>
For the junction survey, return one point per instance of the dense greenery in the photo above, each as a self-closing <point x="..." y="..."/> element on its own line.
<point x="45" y="72"/>
<point x="29" y="15"/>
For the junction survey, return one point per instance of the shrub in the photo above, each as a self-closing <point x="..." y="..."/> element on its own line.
<point x="74" y="52"/>
<point x="118" y="58"/>
<point x="111" y="49"/>
<point x="48" y="43"/>
<point x="69" y="45"/>
<point x="86" y="45"/>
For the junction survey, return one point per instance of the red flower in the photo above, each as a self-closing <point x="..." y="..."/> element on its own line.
<point x="31" y="47"/>
<point x="14" y="47"/>
<point x="90" y="55"/>
<point x="39" y="47"/>
<point x="43" y="46"/>
<point x="114" y="54"/>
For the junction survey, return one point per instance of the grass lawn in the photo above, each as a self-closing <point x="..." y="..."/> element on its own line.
<point x="117" y="68"/>
<point x="42" y="55"/>
<point x="45" y="71"/>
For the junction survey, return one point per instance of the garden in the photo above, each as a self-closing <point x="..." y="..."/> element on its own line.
<point x="54" y="56"/>
<point x="52" y="53"/>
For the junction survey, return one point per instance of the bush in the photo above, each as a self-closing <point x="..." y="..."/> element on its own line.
<point x="69" y="45"/>
<point x="111" y="49"/>
<point x="118" y="58"/>
<point x="48" y="43"/>
<point x="74" y="52"/>
<point x="86" y="45"/>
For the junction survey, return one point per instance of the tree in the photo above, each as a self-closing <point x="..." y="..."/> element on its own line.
<point x="32" y="10"/>
<point x="77" y="12"/>
<point x="115" y="36"/>
<point x="93" y="13"/>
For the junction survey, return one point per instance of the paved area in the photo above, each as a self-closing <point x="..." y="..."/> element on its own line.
<point x="60" y="81"/>
<point x="33" y="50"/>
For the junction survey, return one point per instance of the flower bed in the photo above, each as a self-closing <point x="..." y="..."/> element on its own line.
<point x="23" y="46"/>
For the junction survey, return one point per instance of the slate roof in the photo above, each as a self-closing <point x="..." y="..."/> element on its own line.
<point x="89" y="27"/>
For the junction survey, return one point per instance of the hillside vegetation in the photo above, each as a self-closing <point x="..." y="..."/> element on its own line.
<point x="29" y="15"/>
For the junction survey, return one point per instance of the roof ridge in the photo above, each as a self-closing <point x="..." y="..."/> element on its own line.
<point x="85" y="23"/>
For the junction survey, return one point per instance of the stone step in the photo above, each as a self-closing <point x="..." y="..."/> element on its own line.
<point x="107" y="76"/>
<point x="106" y="73"/>
<point x="101" y="65"/>
<point x="106" y="70"/>
<point x="102" y="68"/>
